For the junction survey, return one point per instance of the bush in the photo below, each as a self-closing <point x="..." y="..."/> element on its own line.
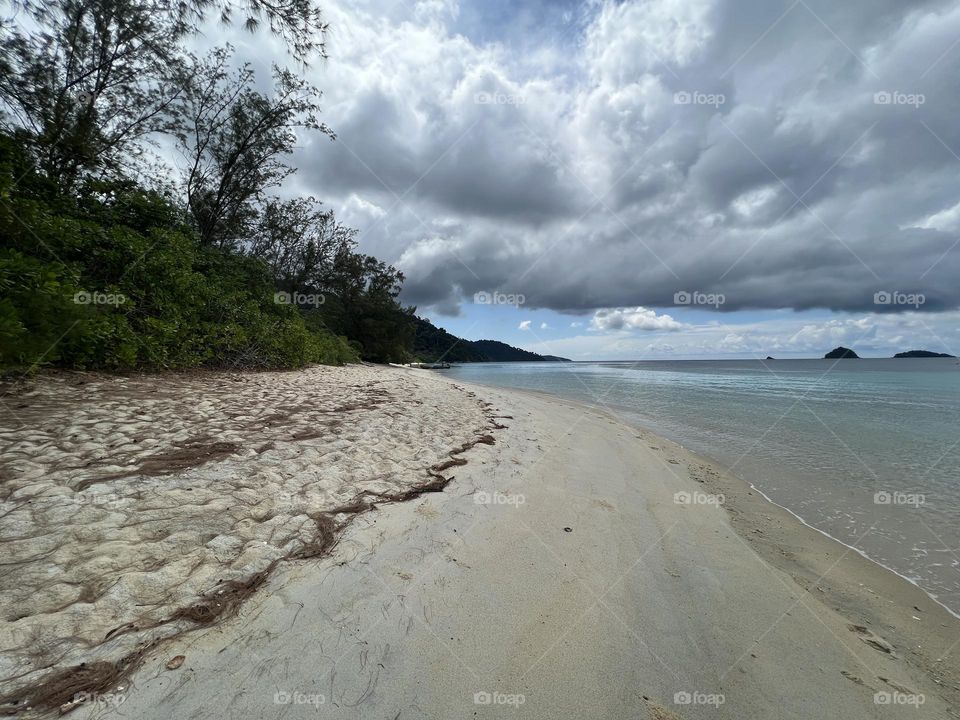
<point x="115" y="281"/>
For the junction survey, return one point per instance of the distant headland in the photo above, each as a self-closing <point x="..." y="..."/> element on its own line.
<point x="432" y="344"/>
<point x="842" y="352"/>
<point x="922" y="354"/>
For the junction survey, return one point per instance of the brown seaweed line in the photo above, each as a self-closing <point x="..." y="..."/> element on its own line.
<point x="66" y="689"/>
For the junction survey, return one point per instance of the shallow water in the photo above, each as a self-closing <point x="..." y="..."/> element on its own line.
<point x="864" y="450"/>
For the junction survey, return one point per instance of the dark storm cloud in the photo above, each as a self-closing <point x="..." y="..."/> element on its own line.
<point x="785" y="155"/>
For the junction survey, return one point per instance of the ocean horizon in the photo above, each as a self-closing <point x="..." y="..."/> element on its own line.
<point x="864" y="451"/>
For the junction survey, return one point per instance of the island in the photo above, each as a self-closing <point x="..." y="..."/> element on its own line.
<point x="922" y="354"/>
<point x="841" y="353"/>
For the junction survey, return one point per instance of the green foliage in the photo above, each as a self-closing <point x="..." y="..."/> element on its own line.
<point x="116" y="281"/>
<point x="100" y="271"/>
<point x="35" y="308"/>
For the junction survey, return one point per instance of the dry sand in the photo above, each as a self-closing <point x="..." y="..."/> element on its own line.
<point x="135" y="508"/>
<point x="558" y="575"/>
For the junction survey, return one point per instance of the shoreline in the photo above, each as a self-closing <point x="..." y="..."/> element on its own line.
<point x="557" y="567"/>
<point x="815" y="563"/>
<point x="861" y="553"/>
<point x="744" y="516"/>
<point x="629" y="417"/>
<point x="799" y="518"/>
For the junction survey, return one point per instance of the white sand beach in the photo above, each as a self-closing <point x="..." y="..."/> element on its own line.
<point x="576" y="567"/>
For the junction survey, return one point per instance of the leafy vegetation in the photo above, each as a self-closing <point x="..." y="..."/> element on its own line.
<point x="111" y="259"/>
<point x="119" y="281"/>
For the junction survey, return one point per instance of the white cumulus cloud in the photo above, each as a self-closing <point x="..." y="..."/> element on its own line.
<point x="639" y="318"/>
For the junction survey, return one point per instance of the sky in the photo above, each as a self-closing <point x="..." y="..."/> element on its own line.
<point x="651" y="178"/>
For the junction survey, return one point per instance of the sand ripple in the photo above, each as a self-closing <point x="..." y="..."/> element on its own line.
<point x="123" y="500"/>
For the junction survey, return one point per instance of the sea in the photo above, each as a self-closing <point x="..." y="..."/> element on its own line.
<point x="866" y="451"/>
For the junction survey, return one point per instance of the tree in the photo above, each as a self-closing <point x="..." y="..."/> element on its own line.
<point x="88" y="81"/>
<point x="234" y="139"/>
<point x="299" y="242"/>
<point x="298" y="22"/>
<point x="310" y="252"/>
<point x="89" y="85"/>
<point x="363" y="305"/>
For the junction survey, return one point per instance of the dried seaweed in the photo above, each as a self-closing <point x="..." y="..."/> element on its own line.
<point x="67" y="689"/>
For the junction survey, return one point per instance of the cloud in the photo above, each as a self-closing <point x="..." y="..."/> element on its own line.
<point x="639" y="318"/>
<point x="782" y="335"/>
<point x="524" y="325"/>
<point x="639" y="148"/>
<point x="544" y="326"/>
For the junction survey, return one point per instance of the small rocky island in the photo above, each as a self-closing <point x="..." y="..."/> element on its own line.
<point x="841" y="352"/>
<point x="922" y="353"/>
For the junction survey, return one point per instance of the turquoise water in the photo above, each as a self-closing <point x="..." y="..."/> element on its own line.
<point x="864" y="450"/>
